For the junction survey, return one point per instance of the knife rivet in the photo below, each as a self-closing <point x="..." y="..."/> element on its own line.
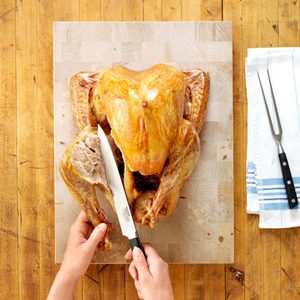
<point x="284" y="163"/>
<point x="288" y="182"/>
<point x="293" y="200"/>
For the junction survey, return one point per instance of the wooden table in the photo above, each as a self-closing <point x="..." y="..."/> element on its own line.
<point x="268" y="260"/>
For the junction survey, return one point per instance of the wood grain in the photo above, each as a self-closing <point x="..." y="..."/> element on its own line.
<point x="111" y="10"/>
<point x="28" y="160"/>
<point x="44" y="105"/>
<point x="235" y="289"/>
<point x="8" y="155"/>
<point x="254" y="240"/>
<point x="90" y="10"/>
<point x="284" y="14"/>
<point x="289" y="15"/>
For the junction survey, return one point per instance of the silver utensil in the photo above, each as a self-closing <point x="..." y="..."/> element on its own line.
<point x="120" y="199"/>
<point x="285" y="168"/>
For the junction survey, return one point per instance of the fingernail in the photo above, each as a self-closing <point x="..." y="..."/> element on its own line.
<point x="101" y="227"/>
<point x="136" y="251"/>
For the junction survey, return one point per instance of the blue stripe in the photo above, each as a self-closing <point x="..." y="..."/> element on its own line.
<point x="251" y="189"/>
<point x="274" y="181"/>
<point x="275" y="206"/>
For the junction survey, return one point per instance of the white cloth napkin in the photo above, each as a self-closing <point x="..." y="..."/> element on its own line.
<point x="266" y="194"/>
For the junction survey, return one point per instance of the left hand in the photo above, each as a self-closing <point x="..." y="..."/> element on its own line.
<point x="82" y="243"/>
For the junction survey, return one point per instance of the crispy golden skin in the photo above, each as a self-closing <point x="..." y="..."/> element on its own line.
<point x="152" y="118"/>
<point x="144" y="110"/>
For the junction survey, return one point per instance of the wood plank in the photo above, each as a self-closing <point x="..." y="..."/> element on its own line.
<point x="29" y="167"/>
<point x="8" y="155"/>
<point x="92" y="288"/>
<point x="270" y="238"/>
<point x="90" y="10"/>
<point x="270" y="23"/>
<point x="202" y="10"/>
<point x="171" y="10"/>
<point x="113" y="282"/>
<point x="130" y="291"/>
<point x="66" y="10"/>
<point x="214" y="282"/>
<point x="288" y="22"/>
<point x="153" y="10"/>
<point x="253" y="236"/>
<point x="44" y="147"/>
<point x="289" y="259"/>
<point x="290" y="263"/>
<point x="133" y="10"/>
<point x="235" y="288"/>
<point x="111" y="10"/>
<point x="193" y="282"/>
<point x="177" y="276"/>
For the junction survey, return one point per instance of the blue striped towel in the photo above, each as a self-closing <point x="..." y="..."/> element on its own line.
<point x="266" y="194"/>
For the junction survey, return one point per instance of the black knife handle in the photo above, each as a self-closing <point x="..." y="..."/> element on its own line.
<point x="136" y="242"/>
<point x="288" y="180"/>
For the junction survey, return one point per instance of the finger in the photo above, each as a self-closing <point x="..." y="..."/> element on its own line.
<point x="96" y="236"/>
<point x="132" y="271"/>
<point x="150" y="251"/>
<point x="128" y="255"/>
<point x="141" y="264"/>
<point x="83" y="217"/>
<point x="81" y="223"/>
<point x="147" y="247"/>
<point x="138" y="289"/>
<point x="152" y="256"/>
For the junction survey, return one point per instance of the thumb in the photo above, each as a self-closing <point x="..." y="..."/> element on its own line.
<point x="96" y="236"/>
<point x="141" y="264"/>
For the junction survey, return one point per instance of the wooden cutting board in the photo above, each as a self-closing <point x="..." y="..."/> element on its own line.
<point x="201" y="228"/>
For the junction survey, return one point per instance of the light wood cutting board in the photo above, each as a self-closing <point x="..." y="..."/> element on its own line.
<point x="201" y="228"/>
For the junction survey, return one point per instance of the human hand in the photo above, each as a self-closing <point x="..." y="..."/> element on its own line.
<point x="151" y="275"/>
<point x="82" y="243"/>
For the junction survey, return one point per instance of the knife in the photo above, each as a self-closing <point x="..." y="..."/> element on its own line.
<point x="119" y="196"/>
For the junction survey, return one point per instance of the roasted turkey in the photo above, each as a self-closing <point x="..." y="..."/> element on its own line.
<point x="152" y="119"/>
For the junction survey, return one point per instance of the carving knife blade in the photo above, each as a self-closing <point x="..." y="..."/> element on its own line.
<point x="119" y="196"/>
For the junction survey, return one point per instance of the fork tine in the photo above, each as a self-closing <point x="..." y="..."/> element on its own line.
<point x="266" y="105"/>
<point x="275" y="106"/>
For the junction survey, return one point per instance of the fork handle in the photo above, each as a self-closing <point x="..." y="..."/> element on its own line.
<point x="288" y="180"/>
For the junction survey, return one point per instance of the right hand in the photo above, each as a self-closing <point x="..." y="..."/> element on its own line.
<point x="151" y="275"/>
